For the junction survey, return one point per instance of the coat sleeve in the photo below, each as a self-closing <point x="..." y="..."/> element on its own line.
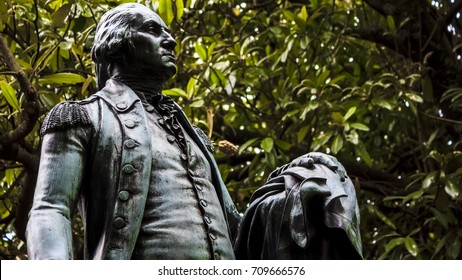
<point x="62" y="163"/>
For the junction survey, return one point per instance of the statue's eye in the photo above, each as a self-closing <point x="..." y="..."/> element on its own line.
<point x="154" y="30"/>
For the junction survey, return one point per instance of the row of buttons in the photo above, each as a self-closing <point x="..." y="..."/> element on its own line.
<point x="128" y="169"/>
<point x="123" y="106"/>
<point x="207" y="219"/>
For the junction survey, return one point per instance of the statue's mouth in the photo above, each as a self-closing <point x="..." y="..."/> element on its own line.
<point x="171" y="55"/>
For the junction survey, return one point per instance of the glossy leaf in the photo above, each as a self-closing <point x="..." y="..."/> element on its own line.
<point x="267" y="144"/>
<point x="337" y="144"/>
<point x="62" y="78"/>
<point x="10" y="94"/>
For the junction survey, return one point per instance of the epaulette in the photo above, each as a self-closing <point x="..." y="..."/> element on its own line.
<point x="204" y="138"/>
<point x="63" y="116"/>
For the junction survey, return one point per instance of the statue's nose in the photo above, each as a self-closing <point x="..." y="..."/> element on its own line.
<point x="168" y="42"/>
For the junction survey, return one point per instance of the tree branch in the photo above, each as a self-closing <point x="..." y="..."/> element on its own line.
<point x="30" y="112"/>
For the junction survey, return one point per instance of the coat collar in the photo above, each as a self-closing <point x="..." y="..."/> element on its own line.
<point x="118" y="95"/>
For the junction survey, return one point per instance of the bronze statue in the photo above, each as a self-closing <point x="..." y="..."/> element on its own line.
<point x="143" y="178"/>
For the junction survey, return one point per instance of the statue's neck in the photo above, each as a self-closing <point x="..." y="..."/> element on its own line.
<point x="145" y="84"/>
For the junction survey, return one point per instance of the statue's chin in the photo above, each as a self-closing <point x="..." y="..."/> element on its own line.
<point x="169" y="72"/>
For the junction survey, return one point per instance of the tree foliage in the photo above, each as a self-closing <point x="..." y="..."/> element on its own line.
<point x="378" y="84"/>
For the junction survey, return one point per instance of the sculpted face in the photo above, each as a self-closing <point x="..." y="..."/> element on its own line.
<point x="153" y="44"/>
<point x="135" y="41"/>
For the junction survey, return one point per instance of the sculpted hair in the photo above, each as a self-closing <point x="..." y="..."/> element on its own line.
<point x="113" y="40"/>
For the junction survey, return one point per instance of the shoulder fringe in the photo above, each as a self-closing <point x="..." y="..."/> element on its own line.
<point x="65" y="115"/>
<point x="204" y="138"/>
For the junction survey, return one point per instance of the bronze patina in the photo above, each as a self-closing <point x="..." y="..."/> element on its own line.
<point x="145" y="181"/>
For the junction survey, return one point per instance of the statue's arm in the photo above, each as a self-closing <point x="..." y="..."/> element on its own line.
<point x="62" y="163"/>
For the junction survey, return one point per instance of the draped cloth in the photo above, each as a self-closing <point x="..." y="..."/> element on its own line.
<point x="303" y="213"/>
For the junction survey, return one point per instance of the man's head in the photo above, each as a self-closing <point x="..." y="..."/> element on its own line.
<point x="135" y="39"/>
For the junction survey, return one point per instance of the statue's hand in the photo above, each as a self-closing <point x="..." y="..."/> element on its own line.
<point x="309" y="160"/>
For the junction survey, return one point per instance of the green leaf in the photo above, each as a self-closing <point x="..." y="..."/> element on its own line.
<point x="217" y="77"/>
<point x="382" y="103"/>
<point x="62" y="78"/>
<point x="350" y="113"/>
<point x="267" y="144"/>
<point x="179" y="9"/>
<point x="285" y="54"/>
<point x="440" y="245"/>
<point x="60" y="15"/>
<point x="247" y="144"/>
<point x="337" y="144"/>
<point x="440" y="217"/>
<point x="201" y="51"/>
<point x="290" y="114"/>
<point x="360" y="126"/>
<point x="415" y="231"/>
<point x="391" y="23"/>
<point x="303" y="13"/>
<point x="429" y="180"/>
<point x="3" y="15"/>
<point x="191" y="88"/>
<point x="413" y="196"/>
<point x="381" y="216"/>
<point x="302" y="133"/>
<point x="9" y="94"/>
<point x="175" y="92"/>
<point x="86" y="84"/>
<point x="411" y="246"/>
<point x="414" y="97"/>
<point x="321" y="81"/>
<point x="363" y="153"/>
<point x="23" y="64"/>
<point x="337" y="117"/>
<point x="166" y="11"/>
<point x="197" y="104"/>
<point x="393" y="243"/>
<point x="283" y="144"/>
<point x="451" y="189"/>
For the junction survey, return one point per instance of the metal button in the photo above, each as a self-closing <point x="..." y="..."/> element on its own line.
<point x="216" y="256"/>
<point x="130" y="144"/>
<point x="171" y="138"/>
<point x="207" y="220"/>
<point x="121" y="106"/>
<point x="199" y="188"/>
<point x="119" y="223"/>
<point x="183" y="157"/>
<point x="150" y="108"/>
<point x="124" y="195"/>
<point x="212" y="236"/>
<point x="203" y="203"/>
<point x="128" y="168"/>
<point x="130" y="124"/>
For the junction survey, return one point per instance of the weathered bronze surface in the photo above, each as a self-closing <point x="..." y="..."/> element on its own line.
<point x="145" y="180"/>
<point x="310" y="212"/>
